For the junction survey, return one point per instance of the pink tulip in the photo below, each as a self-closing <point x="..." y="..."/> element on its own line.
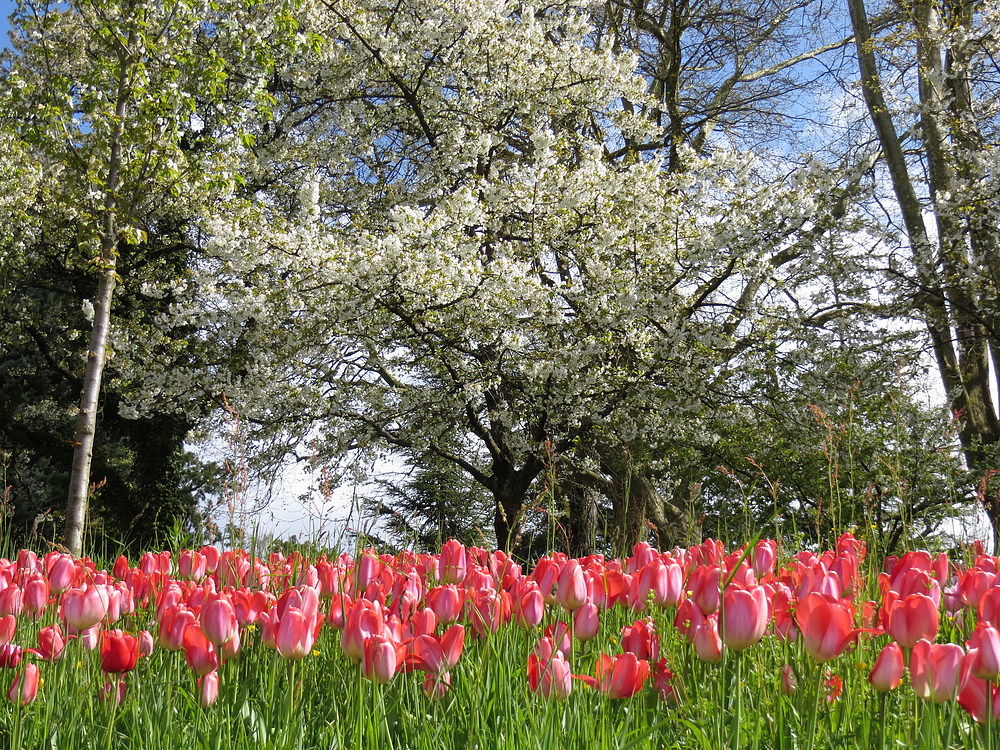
<point x="61" y="572"/>
<point x="208" y="685"/>
<point x="827" y="627"/>
<point x="707" y="643"/>
<point x="985" y="644"/>
<point x="84" y="608"/>
<point x="549" y="673"/>
<point x="621" y="676"/>
<point x="571" y="586"/>
<point x="295" y="635"/>
<point x="436" y="655"/>
<point x="446" y="601"/>
<point x="218" y="620"/>
<point x="24" y="688"/>
<point x="10" y="656"/>
<point x="973" y="698"/>
<point x="887" y="672"/>
<point x="51" y="643"/>
<point x="911" y="618"/>
<point x="199" y="652"/>
<point x="586" y="622"/>
<point x="383" y="657"/>
<point x="938" y="671"/>
<point x="744" y="617"/>
<point x="8" y="626"/>
<point x="452" y="565"/>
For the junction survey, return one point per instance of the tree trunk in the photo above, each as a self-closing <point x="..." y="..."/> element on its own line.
<point x="86" y="421"/>
<point x="961" y="321"/>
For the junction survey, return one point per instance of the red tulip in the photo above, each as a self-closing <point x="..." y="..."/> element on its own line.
<point x="51" y="643"/>
<point x="199" y="652"/>
<point x="621" y="676"/>
<point x="827" y="627"/>
<point x="887" y="672"/>
<point x="119" y="651"/>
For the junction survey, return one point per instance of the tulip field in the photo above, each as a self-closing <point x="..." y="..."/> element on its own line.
<point x="757" y="647"/>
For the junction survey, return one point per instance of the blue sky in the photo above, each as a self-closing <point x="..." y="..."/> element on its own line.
<point x="6" y="8"/>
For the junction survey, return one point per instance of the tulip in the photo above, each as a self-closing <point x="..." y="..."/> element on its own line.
<point x="11" y="600"/>
<point x="51" y="643"/>
<point x="114" y="690"/>
<point x="744" y="617"/>
<point x="911" y="618"/>
<point x="586" y="622"/>
<point x="295" y="634"/>
<point x="84" y="608"/>
<point x="364" y="620"/>
<point x="173" y="623"/>
<point x="887" y="672"/>
<point x="208" y="686"/>
<point x="8" y="626"/>
<point x="705" y="588"/>
<point x="640" y="638"/>
<point x="119" y="651"/>
<point x="549" y="673"/>
<point x="199" y="652"/>
<point x="436" y="655"/>
<point x="218" y="620"/>
<point x="707" y="643"/>
<point x="621" y="676"/>
<point x="938" y="671"/>
<point x="973" y="698"/>
<point x="452" y="565"/>
<point x="827" y="627"/>
<point x="10" y="656"/>
<point x="788" y="682"/>
<point x="24" y="688"/>
<point x="571" y="586"/>
<point x="435" y="686"/>
<point x="61" y="572"/>
<point x="764" y="556"/>
<point x="446" y="601"/>
<point x="985" y="644"/>
<point x="383" y="657"/>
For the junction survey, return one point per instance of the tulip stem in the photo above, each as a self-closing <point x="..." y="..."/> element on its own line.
<point x="738" y="658"/>
<point x="814" y="711"/>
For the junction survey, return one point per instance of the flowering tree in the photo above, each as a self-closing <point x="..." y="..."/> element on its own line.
<point x="463" y="249"/>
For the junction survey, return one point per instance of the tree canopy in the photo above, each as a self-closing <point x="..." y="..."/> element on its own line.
<point x="633" y="259"/>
